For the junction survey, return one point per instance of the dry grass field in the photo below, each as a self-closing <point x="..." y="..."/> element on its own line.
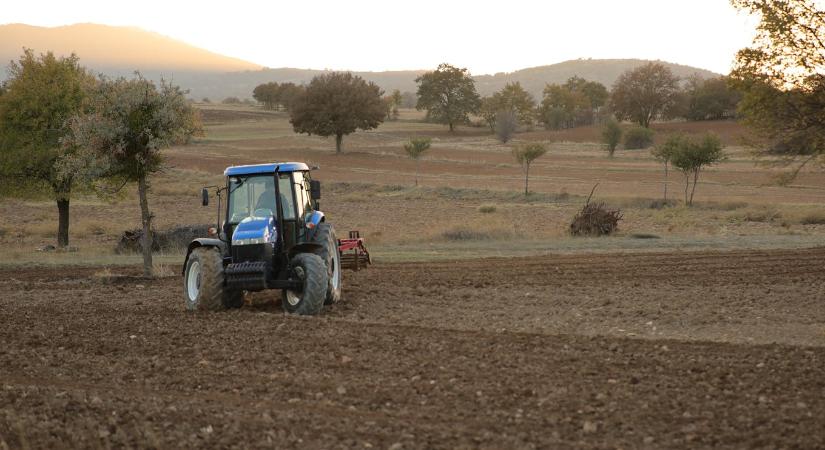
<point x="469" y="202"/>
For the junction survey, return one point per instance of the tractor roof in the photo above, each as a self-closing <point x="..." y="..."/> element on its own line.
<point x="265" y="168"/>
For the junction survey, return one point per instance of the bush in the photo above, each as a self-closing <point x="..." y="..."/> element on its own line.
<point x="231" y="101"/>
<point x="813" y="218"/>
<point x="611" y="136"/>
<point x="486" y="209"/>
<point x="595" y="219"/>
<point x="506" y="125"/>
<point x="465" y="234"/>
<point x="638" y="138"/>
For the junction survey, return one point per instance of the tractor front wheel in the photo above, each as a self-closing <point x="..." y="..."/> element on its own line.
<point x="311" y="270"/>
<point x="203" y="282"/>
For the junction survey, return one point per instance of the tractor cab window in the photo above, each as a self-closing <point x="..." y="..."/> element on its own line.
<point x="287" y="199"/>
<point x="251" y="196"/>
<point x="301" y="184"/>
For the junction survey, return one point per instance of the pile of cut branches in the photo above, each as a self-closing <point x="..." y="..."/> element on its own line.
<point x="595" y="219"/>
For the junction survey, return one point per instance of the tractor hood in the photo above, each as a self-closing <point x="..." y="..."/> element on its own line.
<point x="255" y="230"/>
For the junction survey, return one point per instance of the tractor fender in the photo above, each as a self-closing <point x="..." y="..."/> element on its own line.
<point x="203" y="242"/>
<point x="312" y="223"/>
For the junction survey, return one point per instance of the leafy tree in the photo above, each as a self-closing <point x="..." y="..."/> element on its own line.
<point x="39" y="97"/>
<point x="448" y="94"/>
<point x="782" y="79"/>
<point x="710" y="99"/>
<point x="488" y="111"/>
<point x="691" y="157"/>
<point x="231" y="101"/>
<point x="611" y="136"/>
<point x="638" y="138"/>
<point x="396" y="103"/>
<point x="574" y="103"/>
<point x="506" y="125"/>
<point x="408" y="99"/>
<point x="644" y="93"/>
<point x="337" y="104"/>
<point x="131" y="122"/>
<point x="512" y="97"/>
<point x="267" y="94"/>
<point x="525" y="155"/>
<point x="415" y="148"/>
<point x="665" y="151"/>
<point x="288" y="93"/>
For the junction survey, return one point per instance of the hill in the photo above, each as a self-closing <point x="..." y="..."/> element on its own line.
<point x="115" y="49"/>
<point x="118" y="51"/>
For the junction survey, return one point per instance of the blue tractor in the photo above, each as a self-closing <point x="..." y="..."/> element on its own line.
<point x="272" y="236"/>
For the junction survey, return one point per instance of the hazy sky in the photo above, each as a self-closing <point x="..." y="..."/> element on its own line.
<point x="486" y="37"/>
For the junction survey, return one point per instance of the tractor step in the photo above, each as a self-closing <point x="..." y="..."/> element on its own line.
<point x="354" y="253"/>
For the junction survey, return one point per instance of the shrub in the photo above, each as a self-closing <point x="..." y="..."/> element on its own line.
<point x="611" y="136"/>
<point x="813" y="218"/>
<point x="595" y="219"/>
<point x="465" y="234"/>
<point x="506" y="125"/>
<point x="638" y="138"/>
<point x="486" y="209"/>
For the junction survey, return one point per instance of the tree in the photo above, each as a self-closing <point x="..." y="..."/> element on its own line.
<point x="782" y="79"/>
<point x="396" y="103"/>
<point x="710" y="99"/>
<point x="512" y="97"/>
<point x="525" y="155"/>
<point x="267" y="94"/>
<point x="644" y="93"/>
<point x="665" y="151"/>
<point x="448" y="94"/>
<point x="288" y="93"/>
<point x="415" y="148"/>
<point x="337" y="104"/>
<point x="408" y="99"/>
<point x="611" y="136"/>
<point x="574" y="103"/>
<point x="691" y="157"/>
<point x="506" y="125"/>
<point x="131" y="122"/>
<point x="39" y="97"/>
<point x="488" y="111"/>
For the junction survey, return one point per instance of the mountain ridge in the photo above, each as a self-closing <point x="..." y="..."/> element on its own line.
<point x="120" y="51"/>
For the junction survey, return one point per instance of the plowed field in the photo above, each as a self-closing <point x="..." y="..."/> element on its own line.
<point x="668" y="350"/>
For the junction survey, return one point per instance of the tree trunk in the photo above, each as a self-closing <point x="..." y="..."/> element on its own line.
<point x="146" y="219"/>
<point x="665" y="182"/>
<point x="687" y="186"/>
<point x="416" y="172"/>
<point x="339" y="143"/>
<point x="63" y="221"/>
<point x="526" y="178"/>
<point x="451" y="127"/>
<point x="695" y="179"/>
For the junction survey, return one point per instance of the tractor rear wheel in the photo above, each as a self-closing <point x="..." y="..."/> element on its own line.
<point x="311" y="270"/>
<point x="203" y="282"/>
<point x="325" y="235"/>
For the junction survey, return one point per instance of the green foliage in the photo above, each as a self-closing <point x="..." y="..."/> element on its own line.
<point x="690" y="157"/>
<point x="231" y="101"/>
<point x="611" y="135"/>
<point x="782" y="79"/>
<point x="665" y="151"/>
<point x="571" y="104"/>
<point x="515" y="99"/>
<point x="41" y="94"/>
<point x="448" y="94"/>
<point x="710" y="99"/>
<point x="337" y="104"/>
<point x="525" y="155"/>
<point x="131" y="121"/>
<point x="638" y="138"/>
<point x="415" y="148"/>
<point x="644" y="93"/>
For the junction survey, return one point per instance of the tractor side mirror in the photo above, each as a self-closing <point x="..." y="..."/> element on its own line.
<point x="315" y="189"/>
<point x="205" y="197"/>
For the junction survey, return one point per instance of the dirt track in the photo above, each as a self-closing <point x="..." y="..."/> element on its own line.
<point x="638" y="351"/>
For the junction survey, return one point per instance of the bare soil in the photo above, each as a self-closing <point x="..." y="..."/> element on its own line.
<point x="667" y="350"/>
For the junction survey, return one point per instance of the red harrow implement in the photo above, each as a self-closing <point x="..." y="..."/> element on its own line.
<point x="354" y="254"/>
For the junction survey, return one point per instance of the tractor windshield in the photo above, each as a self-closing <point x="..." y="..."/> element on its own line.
<point x="254" y="196"/>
